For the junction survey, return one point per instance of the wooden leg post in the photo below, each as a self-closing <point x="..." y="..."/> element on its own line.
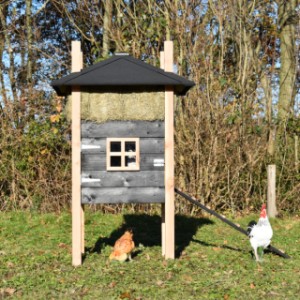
<point x="163" y="230"/>
<point x="169" y="158"/>
<point x="77" y="210"/>
<point x="82" y="229"/>
<point x="76" y="189"/>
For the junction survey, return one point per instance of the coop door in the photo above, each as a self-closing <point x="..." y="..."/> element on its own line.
<point x="123" y="154"/>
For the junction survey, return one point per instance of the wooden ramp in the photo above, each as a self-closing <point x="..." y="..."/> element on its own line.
<point x="223" y="219"/>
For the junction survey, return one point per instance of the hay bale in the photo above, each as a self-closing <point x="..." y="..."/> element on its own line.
<point x="85" y="107"/>
<point x="103" y="107"/>
<point x="148" y="106"/>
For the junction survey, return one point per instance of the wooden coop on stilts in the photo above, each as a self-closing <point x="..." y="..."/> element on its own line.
<point x="122" y="113"/>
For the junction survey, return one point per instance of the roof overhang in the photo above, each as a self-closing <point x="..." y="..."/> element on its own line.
<point x="122" y="71"/>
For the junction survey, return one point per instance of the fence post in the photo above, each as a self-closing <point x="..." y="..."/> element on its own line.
<point x="296" y="154"/>
<point x="271" y="196"/>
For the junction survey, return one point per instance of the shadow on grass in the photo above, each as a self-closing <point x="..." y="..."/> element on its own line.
<point x="147" y="232"/>
<point x="217" y="245"/>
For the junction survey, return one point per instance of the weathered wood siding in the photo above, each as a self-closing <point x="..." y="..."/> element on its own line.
<point x="144" y="186"/>
<point x="123" y="195"/>
<point x="143" y="129"/>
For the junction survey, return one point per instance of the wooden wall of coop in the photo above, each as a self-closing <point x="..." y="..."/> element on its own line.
<point x="122" y="162"/>
<point x="122" y="113"/>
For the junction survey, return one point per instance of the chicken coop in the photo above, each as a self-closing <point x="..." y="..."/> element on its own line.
<point x="122" y="117"/>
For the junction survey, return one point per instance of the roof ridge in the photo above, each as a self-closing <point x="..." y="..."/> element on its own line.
<point x="156" y="69"/>
<point x="103" y="63"/>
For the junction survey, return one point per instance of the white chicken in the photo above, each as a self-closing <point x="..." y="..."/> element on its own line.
<point x="260" y="234"/>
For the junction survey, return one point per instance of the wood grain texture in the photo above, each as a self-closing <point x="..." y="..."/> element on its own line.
<point x="169" y="158"/>
<point x="97" y="162"/>
<point x="163" y="224"/>
<point x="125" y="179"/>
<point x="122" y="195"/>
<point x="94" y="142"/>
<point x="123" y="129"/>
<point x="77" y="212"/>
<point x="147" y="145"/>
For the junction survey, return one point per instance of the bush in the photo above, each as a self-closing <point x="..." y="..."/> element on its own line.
<point x="34" y="156"/>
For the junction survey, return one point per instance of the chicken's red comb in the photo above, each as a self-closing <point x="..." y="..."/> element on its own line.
<point x="263" y="212"/>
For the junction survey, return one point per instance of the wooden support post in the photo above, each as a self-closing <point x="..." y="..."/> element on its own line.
<point x="163" y="230"/>
<point x="271" y="197"/>
<point x="77" y="210"/>
<point x="169" y="158"/>
<point x="162" y="60"/>
<point x="82" y="224"/>
<point x="163" y="221"/>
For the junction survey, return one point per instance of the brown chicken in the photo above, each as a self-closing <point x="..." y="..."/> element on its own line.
<point x="123" y="247"/>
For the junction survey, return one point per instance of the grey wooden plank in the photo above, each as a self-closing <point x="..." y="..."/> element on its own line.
<point x="124" y="179"/>
<point x="147" y="145"/>
<point x="122" y="129"/>
<point x="152" y="145"/>
<point x="97" y="162"/>
<point x="122" y="195"/>
<point x="88" y="180"/>
<point x="89" y="147"/>
<point x="94" y="142"/>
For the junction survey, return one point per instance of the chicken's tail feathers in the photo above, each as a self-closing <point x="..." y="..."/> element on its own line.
<point x="250" y="227"/>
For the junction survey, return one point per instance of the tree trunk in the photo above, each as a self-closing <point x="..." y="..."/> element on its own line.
<point x="29" y="42"/>
<point x="10" y="53"/>
<point x="107" y="27"/>
<point x="286" y="14"/>
<point x="2" y="84"/>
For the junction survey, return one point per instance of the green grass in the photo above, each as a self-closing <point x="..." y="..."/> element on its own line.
<point x="215" y="260"/>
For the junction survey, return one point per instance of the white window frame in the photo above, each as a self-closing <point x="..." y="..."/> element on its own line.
<point x="123" y="154"/>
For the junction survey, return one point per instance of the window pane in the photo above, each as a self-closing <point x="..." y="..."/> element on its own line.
<point x="115" y="146"/>
<point x="130" y="161"/>
<point x="129" y="146"/>
<point x="115" y="161"/>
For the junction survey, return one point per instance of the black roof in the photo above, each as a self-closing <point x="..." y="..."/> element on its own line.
<point x="121" y="70"/>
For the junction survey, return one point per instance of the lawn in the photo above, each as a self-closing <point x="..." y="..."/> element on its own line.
<point x="214" y="261"/>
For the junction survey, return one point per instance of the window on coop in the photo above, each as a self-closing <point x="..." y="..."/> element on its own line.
<point x="123" y="154"/>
